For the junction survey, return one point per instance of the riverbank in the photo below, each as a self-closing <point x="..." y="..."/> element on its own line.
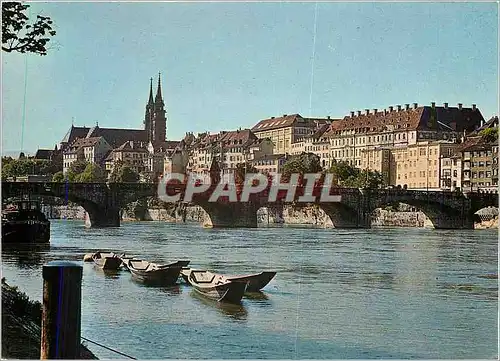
<point x="21" y="326"/>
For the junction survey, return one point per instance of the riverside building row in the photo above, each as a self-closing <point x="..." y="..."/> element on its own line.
<point x="420" y="147"/>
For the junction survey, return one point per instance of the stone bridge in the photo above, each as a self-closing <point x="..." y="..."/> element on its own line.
<point x="103" y="201"/>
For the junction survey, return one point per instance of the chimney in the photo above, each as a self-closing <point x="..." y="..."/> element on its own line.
<point x="445" y="105"/>
<point x="391" y="108"/>
<point x="359" y="113"/>
<point x="284" y="115"/>
<point x="460" y="106"/>
<point x="352" y="114"/>
<point x="375" y="111"/>
<point x="407" y="106"/>
<point x="473" y="106"/>
<point x="328" y="117"/>
<point x="385" y="111"/>
<point x="272" y="117"/>
<point x="433" y="104"/>
<point x="399" y="108"/>
<point x="367" y="111"/>
<point x="415" y="105"/>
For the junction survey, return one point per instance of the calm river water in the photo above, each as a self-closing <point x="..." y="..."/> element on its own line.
<point x="381" y="293"/>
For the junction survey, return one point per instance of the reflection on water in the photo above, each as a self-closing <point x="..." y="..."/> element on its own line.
<point x="26" y="255"/>
<point x="108" y="273"/>
<point x="260" y="296"/>
<point x="386" y="293"/>
<point x="235" y="311"/>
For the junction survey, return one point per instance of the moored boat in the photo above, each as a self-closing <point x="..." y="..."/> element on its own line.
<point x="154" y="273"/>
<point x="25" y="223"/>
<point x="107" y="261"/>
<point x="255" y="282"/>
<point x="215" y="286"/>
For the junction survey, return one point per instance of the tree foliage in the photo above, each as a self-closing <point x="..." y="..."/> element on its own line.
<point x="21" y="36"/>
<point x="348" y="176"/>
<point x="122" y="173"/>
<point x="58" y="177"/>
<point x="78" y="166"/>
<point x="241" y="170"/>
<point x="24" y="166"/>
<point x="301" y="164"/>
<point x="490" y="135"/>
<point x="92" y="174"/>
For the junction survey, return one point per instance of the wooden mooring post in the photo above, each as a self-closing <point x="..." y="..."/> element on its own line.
<point x="61" y="312"/>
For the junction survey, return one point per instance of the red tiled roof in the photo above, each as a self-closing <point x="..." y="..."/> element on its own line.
<point x="421" y="118"/>
<point x="276" y="123"/>
<point x="238" y="138"/>
<point x="289" y="120"/>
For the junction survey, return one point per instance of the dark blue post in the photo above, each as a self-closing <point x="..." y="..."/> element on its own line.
<point x="61" y="312"/>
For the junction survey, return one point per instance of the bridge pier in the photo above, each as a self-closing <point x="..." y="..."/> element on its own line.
<point x="100" y="217"/>
<point x="343" y="216"/>
<point x="450" y="220"/>
<point x="231" y="215"/>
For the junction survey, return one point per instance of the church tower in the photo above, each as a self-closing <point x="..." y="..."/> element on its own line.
<point x="148" y="117"/>
<point x="155" y="121"/>
<point x="159" y="132"/>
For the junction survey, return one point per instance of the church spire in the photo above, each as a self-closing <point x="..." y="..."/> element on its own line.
<point x="150" y="101"/>
<point x="158" y="98"/>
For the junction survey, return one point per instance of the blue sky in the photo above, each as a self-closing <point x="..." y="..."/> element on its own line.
<point x="229" y="65"/>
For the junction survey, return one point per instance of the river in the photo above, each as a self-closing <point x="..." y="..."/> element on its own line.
<point x="379" y="293"/>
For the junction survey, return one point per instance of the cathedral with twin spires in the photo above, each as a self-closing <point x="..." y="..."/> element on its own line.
<point x="142" y="149"/>
<point x="155" y="121"/>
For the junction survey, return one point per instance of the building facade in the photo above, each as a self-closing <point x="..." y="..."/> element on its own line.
<point x="286" y="130"/>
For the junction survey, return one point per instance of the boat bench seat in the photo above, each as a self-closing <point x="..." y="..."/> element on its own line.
<point x="200" y="277"/>
<point x="139" y="265"/>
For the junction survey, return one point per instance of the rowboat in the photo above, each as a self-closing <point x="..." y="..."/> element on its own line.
<point x="108" y="261"/>
<point x="255" y="282"/>
<point x="215" y="286"/>
<point x="154" y="273"/>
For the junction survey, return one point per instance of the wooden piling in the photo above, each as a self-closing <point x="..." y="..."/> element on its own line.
<point x="61" y="312"/>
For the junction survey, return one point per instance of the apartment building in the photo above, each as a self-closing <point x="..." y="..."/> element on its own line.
<point x="228" y="148"/>
<point x="272" y="163"/>
<point x="418" y="166"/>
<point x="451" y="172"/>
<point x="480" y="165"/>
<point x="91" y="150"/>
<point x="316" y="143"/>
<point x="288" y="129"/>
<point x="131" y="153"/>
<point x="398" y="127"/>
<point x="378" y="160"/>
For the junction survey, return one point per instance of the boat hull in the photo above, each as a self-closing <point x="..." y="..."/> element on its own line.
<point x="255" y="282"/>
<point x="107" y="261"/>
<point x="25" y="232"/>
<point x="218" y="288"/>
<point x="231" y="292"/>
<point x="166" y="275"/>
